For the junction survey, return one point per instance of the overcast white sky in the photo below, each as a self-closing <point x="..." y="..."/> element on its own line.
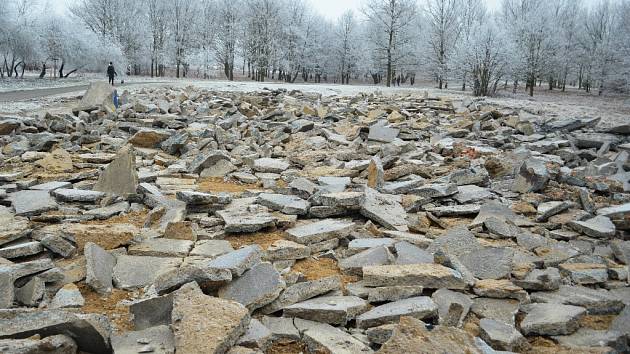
<point x="331" y="9"/>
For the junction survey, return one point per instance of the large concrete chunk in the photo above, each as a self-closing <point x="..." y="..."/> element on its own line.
<point x="501" y="336"/>
<point x="599" y="227"/>
<point x="420" y="307"/>
<point x="324" y="338"/>
<point x="200" y="272"/>
<point x="597" y="302"/>
<point x="270" y="165"/>
<point x="151" y="312"/>
<point x="149" y="138"/>
<point x="489" y="262"/>
<point x="429" y="276"/>
<point x="161" y="247"/>
<point x="456" y="241"/>
<point x="77" y="195"/>
<point x="134" y="272"/>
<point x="532" y="176"/>
<point x="592" y="338"/>
<point x="286" y="204"/>
<point x="249" y="219"/>
<point x="98" y="95"/>
<point x="303" y="291"/>
<point x="452" y="307"/>
<point x="67" y="297"/>
<point x="205" y="324"/>
<point x="238" y="261"/>
<point x="337" y="310"/>
<point x="256" y="336"/>
<point x="157" y="340"/>
<point x="120" y="176"/>
<point x="384" y="209"/>
<point x="206" y="159"/>
<point x="551" y="319"/>
<point x="411" y="336"/>
<point x="99" y="268"/>
<point x="29" y="203"/>
<point x="83" y="329"/>
<point x="374" y="256"/>
<point x="55" y="344"/>
<point x="320" y="231"/>
<point x="257" y="287"/>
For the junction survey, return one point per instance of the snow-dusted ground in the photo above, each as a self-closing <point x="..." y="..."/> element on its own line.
<point x="573" y="103"/>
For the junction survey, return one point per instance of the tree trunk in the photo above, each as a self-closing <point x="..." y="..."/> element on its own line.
<point x="71" y="72"/>
<point x="42" y="74"/>
<point x="61" y="69"/>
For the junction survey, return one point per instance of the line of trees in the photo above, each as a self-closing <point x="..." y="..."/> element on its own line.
<point x="457" y="43"/>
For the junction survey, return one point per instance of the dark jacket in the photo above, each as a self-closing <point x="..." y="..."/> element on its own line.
<point x="111" y="71"/>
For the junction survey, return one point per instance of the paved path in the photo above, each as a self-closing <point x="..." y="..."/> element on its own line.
<point x="20" y="95"/>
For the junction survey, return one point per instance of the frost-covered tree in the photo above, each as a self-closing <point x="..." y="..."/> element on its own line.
<point x="529" y="33"/>
<point x="472" y="16"/>
<point x="486" y="58"/>
<point x="389" y="23"/>
<point x="345" y="45"/>
<point x="156" y="18"/>
<point x="445" y="29"/>
<point x="228" y="22"/>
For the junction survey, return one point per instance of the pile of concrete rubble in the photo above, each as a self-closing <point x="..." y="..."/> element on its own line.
<point x="279" y="222"/>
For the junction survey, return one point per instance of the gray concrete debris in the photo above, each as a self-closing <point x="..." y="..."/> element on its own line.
<point x="68" y="296"/>
<point x="336" y="310"/>
<point x="353" y="265"/>
<point x="198" y="317"/>
<point x="303" y="291"/>
<point x="286" y="204"/>
<point x="135" y="272"/>
<point x="238" y="261"/>
<point x="320" y="231"/>
<point x="54" y="344"/>
<point x="599" y="227"/>
<point x="158" y="339"/>
<point x="421" y="307"/>
<point x="257" y="287"/>
<point x="551" y="319"/>
<point x="250" y="219"/>
<point x="99" y="268"/>
<point x="84" y="329"/>
<point x="29" y="203"/>
<point x="501" y="336"/>
<point x="453" y="307"/>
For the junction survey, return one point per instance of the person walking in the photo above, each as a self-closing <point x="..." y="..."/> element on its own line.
<point x="111" y="72"/>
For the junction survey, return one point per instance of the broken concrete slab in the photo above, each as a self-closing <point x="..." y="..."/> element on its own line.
<point x="135" y="272"/>
<point x="83" y="329"/>
<point x="99" y="268"/>
<point x="29" y="203"/>
<point x="303" y="291"/>
<point x="430" y="276"/>
<point x="198" y="317"/>
<point x="120" y="176"/>
<point x="336" y="310"/>
<point x="286" y="204"/>
<point x="158" y="340"/>
<point x="320" y="231"/>
<point x="238" y="261"/>
<point x="551" y="319"/>
<point x="384" y="209"/>
<point x="256" y="288"/>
